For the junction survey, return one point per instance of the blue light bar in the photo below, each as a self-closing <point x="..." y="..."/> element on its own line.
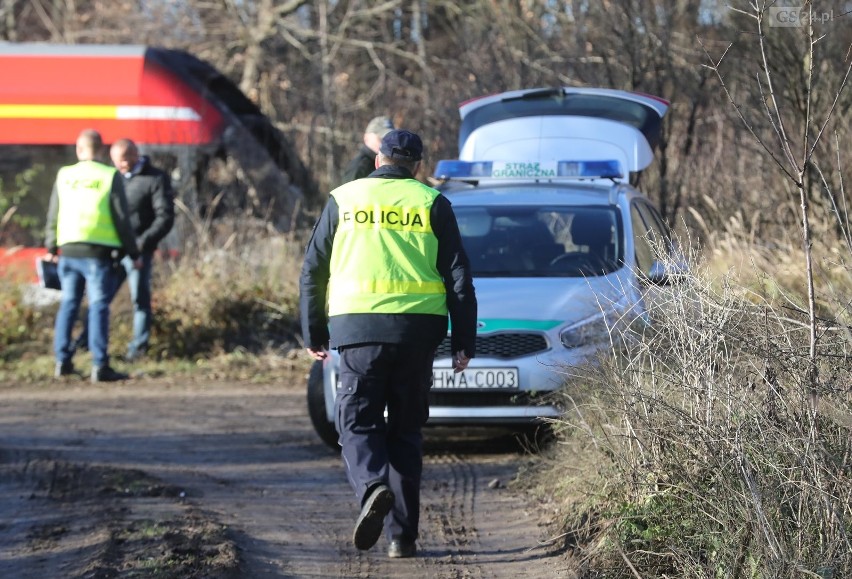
<point x="538" y="170"/>
<point x="462" y="169"/>
<point x="603" y="169"/>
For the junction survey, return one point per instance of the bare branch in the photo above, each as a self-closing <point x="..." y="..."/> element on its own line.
<point x="784" y="140"/>
<point x="289" y="7"/>
<point x="842" y="220"/>
<point x="808" y="88"/>
<point x="715" y="68"/>
<point x="46" y="19"/>
<point x="366" y="44"/>
<point x="831" y="110"/>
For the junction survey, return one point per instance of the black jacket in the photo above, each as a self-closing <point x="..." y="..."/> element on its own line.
<point x="151" y="202"/>
<point x="452" y="264"/>
<point x="360" y="166"/>
<point x="120" y="218"/>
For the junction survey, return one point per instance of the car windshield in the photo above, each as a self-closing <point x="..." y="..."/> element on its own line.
<point x="576" y="241"/>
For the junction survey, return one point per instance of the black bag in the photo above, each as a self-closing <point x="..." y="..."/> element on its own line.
<point x="48" y="274"/>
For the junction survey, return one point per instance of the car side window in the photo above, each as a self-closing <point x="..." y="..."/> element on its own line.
<point x="642" y="241"/>
<point x="658" y="232"/>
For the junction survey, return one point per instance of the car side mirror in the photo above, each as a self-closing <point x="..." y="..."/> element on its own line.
<point x="665" y="273"/>
<point x="658" y="275"/>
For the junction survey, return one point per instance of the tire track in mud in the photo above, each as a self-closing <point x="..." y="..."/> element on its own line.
<point x="449" y="508"/>
<point x="483" y="528"/>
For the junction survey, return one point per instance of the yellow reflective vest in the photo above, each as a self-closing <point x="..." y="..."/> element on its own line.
<point x="84" y="214"/>
<point x="384" y="254"/>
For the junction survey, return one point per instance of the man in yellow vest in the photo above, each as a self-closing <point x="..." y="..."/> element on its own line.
<point x="88" y="232"/>
<point x="387" y="258"/>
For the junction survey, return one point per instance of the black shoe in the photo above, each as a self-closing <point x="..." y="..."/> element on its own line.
<point x="400" y="549"/>
<point x="371" y="521"/>
<point x="107" y="374"/>
<point x="64" y="369"/>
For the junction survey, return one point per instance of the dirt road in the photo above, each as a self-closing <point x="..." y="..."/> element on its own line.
<point x="157" y="478"/>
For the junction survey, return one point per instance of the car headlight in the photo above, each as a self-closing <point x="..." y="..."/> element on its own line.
<point x="617" y="327"/>
<point x="588" y="332"/>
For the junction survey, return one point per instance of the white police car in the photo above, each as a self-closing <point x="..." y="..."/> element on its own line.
<point x="563" y="249"/>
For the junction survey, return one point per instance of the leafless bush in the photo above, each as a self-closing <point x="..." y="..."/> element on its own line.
<point x="718" y="457"/>
<point x="235" y="287"/>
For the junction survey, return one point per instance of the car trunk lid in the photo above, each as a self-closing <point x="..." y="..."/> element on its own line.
<point x="554" y="124"/>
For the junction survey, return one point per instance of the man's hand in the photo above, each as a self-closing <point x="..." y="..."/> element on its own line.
<point x="51" y="257"/>
<point x="460" y="361"/>
<point x="318" y="353"/>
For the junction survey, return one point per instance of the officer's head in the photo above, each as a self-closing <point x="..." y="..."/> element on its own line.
<point x="89" y="145"/>
<point x="401" y="148"/>
<point x="124" y="155"/>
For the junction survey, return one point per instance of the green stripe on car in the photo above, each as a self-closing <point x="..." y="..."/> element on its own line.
<point x="498" y="324"/>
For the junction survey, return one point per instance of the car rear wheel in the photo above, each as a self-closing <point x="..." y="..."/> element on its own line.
<point x="316" y="408"/>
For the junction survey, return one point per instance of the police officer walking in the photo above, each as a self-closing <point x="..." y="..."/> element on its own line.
<point x="88" y="222"/>
<point x="386" y="256"/>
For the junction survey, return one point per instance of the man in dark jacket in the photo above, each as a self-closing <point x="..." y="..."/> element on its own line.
<point x="152" y="213"/>
<point x="88" y="229"/>
<point x="365" y="161"/>
<point x="386" y="257"/>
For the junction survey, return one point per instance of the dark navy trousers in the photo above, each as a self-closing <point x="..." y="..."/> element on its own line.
<point x="379" y="450"/>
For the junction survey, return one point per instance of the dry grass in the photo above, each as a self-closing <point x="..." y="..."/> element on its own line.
<point x="234" y="294"/>
<point x="702" y="451"/>
<point x="229" y="301"/>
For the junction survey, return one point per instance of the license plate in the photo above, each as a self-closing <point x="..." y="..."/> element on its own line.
<point x="475" y="379"/>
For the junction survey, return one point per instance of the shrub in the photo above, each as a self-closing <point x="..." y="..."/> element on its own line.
<point x="20" y="226"/>
<point x="23" y="321"/>
<point x="715" y="457"/>
<point x="241" y="295"/>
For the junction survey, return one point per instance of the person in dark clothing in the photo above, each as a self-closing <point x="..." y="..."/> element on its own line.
<point x="386" y="260"/>
<point x="152" y="213"/>
<point x="363" y="163"/>
<point x="88" y="230"/>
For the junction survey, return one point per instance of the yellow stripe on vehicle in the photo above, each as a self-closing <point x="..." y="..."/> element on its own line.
<point x="122" y="112"/>
<point x="58" y="111"/>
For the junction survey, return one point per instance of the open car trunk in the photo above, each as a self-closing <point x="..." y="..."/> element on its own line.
<point x="552" y="124"/>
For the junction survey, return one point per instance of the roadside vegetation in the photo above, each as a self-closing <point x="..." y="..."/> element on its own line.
<point x="226" y="307"/>
<point x="704" y="449"/>
<point x="716" y="444"/>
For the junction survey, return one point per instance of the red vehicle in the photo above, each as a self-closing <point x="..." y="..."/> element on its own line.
<point x="52" y="92"/>
<point x="167" y="101"/>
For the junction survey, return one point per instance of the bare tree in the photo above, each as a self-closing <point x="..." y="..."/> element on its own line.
<point x="319" y="70"/>
<point x="795" y="133"/>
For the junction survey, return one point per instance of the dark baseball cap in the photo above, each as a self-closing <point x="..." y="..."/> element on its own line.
<point x="402" y="145"/>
